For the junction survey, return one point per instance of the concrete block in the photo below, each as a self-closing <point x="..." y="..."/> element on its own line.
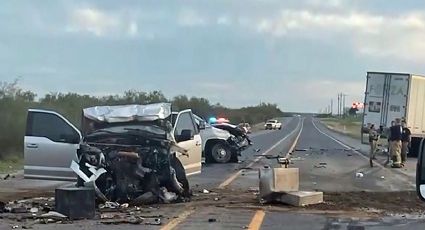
<point x="286" y="179"/>
<point x="76" y="203"/>
<point x="277" y="180"/>
<point x="301" y="198"/>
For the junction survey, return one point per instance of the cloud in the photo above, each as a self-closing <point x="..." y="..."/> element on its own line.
<point x="384" y="36"/>
<point x="223" y="20"/>
<point x="93" y="21"/>
<point x="101" y="23"/>
<point x="190" y="18"/>
<point x="133" y="29"/>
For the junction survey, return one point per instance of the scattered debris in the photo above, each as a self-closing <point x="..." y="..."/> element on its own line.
<point x="6" y="177"/>
<point x="320" y="166"/>
<point x="382" y="177"/>
<point x="2" y="206"/>
<point x="33" y="210"/>
<point x="349" y="154"/>
<point x="15" y="227"/>
<point x="212" y="220"/>
<point x="359" y="175"/>
<point x="216" y="199"/>
<point x="157" y="221"/>
<point x="257" y="150"/>
<point x="54" y="215"/>
<point x="109" y="204"/>
<point x="205" y="191"/>
<point x="125" y="205"/>
<point x="301" y="150"/>
<point x="19" y="210"/>
<point x="253" y="189"/>
<point x="297" y="159"/>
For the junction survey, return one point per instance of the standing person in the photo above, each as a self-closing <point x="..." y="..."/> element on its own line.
<point x="405" y="143"/>
<point x="388" y="134"/>
<point x="373" y="140"/>
<point x="396" y="136"/>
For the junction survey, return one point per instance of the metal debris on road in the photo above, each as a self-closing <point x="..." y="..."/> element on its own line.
<point x="382" y="177"/>
<point x="157" y="221"/>
<point x="53" y="215"/>
<point x="34" y="210"/>
<point x="212" y="220"/>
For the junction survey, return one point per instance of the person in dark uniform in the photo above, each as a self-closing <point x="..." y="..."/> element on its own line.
<point x="405" y="143"/>
<point x="396" y="136"/>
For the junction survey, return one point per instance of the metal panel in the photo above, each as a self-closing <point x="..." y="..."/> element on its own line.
<point x="416" y="108"/>
<point x="397" y="97"/>
<point x="374" y="98"/>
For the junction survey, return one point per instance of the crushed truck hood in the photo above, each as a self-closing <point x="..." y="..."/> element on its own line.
<point x="127" y="113"/>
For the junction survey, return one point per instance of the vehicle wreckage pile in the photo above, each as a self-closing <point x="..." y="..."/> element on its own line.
<point x="129" y="154"/>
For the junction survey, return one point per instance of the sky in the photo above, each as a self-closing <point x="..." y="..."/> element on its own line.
<point x="297" y="54"/>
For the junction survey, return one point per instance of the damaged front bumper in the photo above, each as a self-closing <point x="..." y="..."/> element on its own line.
<point x="132" y="174"/>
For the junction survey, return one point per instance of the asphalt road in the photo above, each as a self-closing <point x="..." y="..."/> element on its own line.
<point x="325" y="164"/>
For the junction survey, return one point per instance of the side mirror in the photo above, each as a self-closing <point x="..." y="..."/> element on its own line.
<point x="420" y="172"/>
<point x="70" y="138"/>
<point x="186" y="135"/>
<point x="202" y="125"/>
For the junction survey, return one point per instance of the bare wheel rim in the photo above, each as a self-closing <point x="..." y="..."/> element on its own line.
<point x="220" y="153"/>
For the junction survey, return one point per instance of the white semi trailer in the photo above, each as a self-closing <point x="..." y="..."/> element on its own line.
<point x="395" y="95"/>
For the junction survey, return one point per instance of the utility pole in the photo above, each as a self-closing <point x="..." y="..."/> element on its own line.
<point x="332" y="106"/>
<point x="343" y="103"/>
<point x="339" y="105"/>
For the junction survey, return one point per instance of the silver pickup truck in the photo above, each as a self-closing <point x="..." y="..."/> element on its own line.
<point x="122" y="149"/>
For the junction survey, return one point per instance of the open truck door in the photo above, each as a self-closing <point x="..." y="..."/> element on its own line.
<point x="50" y="144"/>
<point x="187" y="136"/>
<point x="420" y="171"/>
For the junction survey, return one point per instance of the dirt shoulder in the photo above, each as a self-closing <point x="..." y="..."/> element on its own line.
<point x="349" y="127"/>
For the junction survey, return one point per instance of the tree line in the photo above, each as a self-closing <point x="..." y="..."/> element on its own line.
<point x="15" y="101"/>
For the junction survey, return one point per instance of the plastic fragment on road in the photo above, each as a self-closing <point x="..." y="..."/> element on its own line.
<point x="359" y="175"/>
<point x="205" y="191"/>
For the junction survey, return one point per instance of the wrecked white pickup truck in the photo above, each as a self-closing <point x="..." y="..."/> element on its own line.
<point x="129" y="153"/>
<point x="222" y="143"/>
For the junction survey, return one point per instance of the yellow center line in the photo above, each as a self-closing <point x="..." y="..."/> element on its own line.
<point x="172" y="224"/>
<point x="257" y="220"/>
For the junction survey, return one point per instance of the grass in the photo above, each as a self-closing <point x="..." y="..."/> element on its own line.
<point x="349" y="126"/>
<point x="11" y="163"/>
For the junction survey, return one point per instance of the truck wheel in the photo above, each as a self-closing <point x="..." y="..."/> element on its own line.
<point x="221" y="153"/>
<point x="181" y="175"/>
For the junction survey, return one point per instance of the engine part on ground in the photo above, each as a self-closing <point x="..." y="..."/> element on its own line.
<point x="76" y="202"/>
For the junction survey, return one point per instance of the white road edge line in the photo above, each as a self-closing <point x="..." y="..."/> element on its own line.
<point x="359" y="153"/>
<point x="235" y="175"/>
